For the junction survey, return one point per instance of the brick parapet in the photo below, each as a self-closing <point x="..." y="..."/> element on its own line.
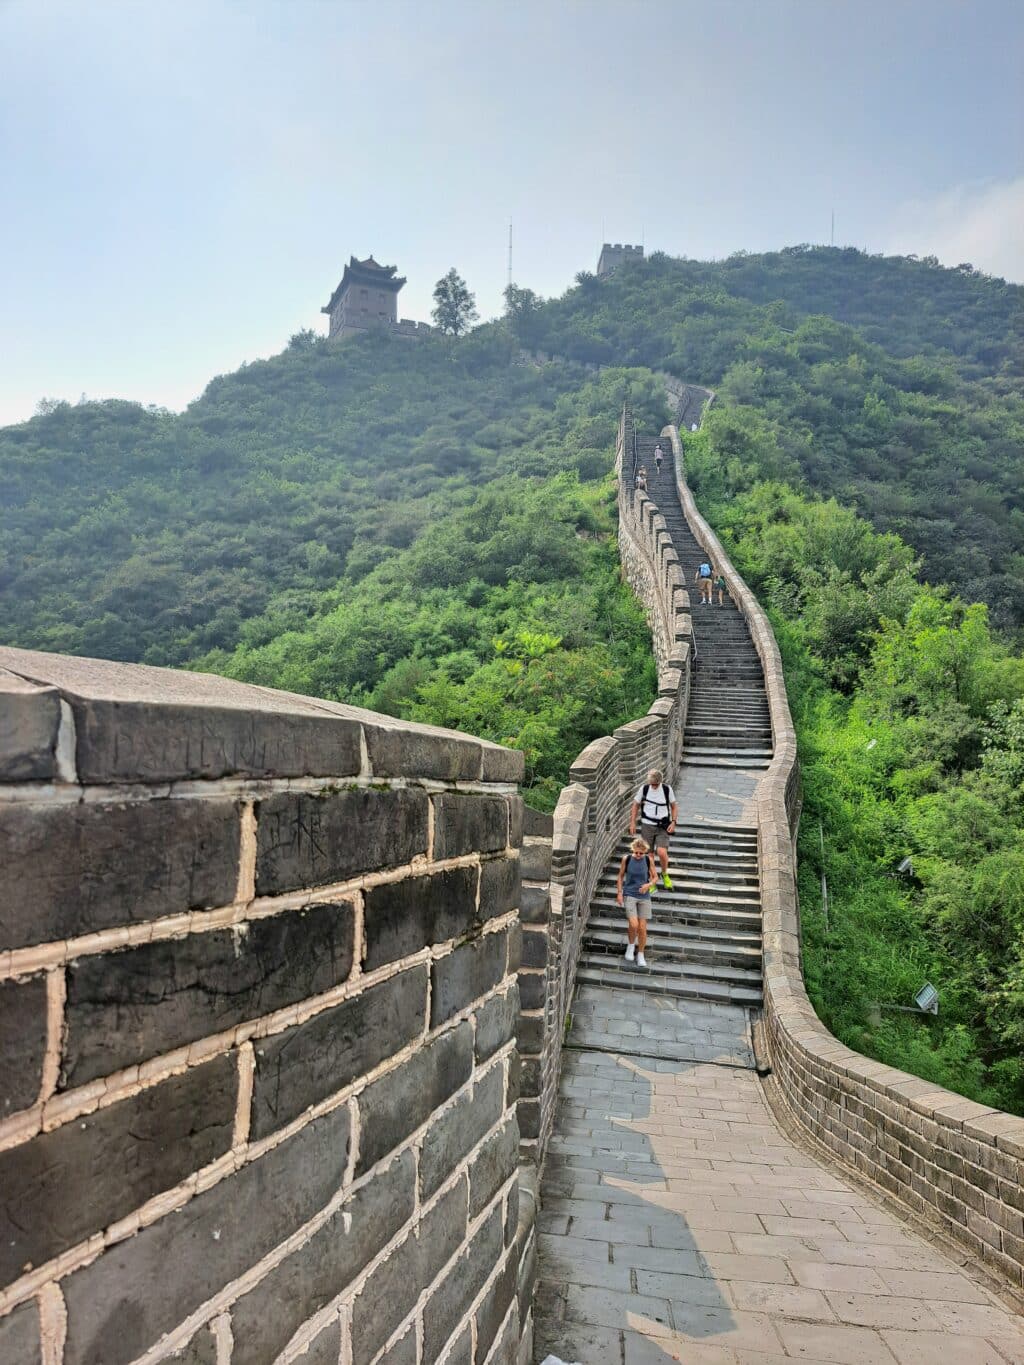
<point x="258" y="1003"/>
<point x="956" y="1164"/>
<point x="592" y="810"/>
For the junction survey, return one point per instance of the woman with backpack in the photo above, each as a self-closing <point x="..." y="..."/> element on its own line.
<point x="633" y="892"/>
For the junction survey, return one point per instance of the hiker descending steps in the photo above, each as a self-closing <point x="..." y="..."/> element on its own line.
<point x="655" y="806"/>
<point x="633" y="892"/>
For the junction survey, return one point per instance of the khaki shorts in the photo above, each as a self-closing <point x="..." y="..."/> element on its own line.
<point x="637" y="907"/>
<point x="655" y="835"/>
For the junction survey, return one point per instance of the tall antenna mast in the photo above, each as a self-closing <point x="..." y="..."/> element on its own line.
<point x="832" y="239"/>
<point x="510" y="252"/>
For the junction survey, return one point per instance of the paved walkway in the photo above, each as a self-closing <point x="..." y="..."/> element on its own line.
<point x="680" y="1224"/>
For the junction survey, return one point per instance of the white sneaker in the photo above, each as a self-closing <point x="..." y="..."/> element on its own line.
<point x="641" y="961"/>
<point x="631" y="952"/>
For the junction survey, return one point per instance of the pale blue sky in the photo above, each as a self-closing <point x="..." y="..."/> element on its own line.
<point x="183" y="180"/>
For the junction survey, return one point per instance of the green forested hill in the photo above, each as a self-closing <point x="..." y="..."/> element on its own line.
<point x="429" y="530"/>
<point x="921" y="440"/>
<point x="425" y="528"/>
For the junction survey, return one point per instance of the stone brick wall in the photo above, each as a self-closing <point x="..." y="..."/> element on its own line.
<point x="563" y="856"/>
<point x="258" y="1000"/>
<point x="956" y="1164"/>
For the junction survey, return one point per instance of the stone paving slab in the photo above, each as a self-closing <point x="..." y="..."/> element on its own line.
<point x="680" y="1224"/>
<point x="717" y="796"/>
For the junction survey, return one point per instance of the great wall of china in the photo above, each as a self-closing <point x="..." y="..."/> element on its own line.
<point x="317" y="1047"/>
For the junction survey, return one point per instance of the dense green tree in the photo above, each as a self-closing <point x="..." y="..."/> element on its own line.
<point x="454" y="306"/>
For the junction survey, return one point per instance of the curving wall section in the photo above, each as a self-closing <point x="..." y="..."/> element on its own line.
<point x="957" y="1164"/>
<point x="592" y="810"/>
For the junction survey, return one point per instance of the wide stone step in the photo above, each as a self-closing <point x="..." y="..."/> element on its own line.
<point x="699" y="888"/>
<point x="712" y="832"/>
<point x="667" y="947"/>
<point x="714" y="917"/>
<point x="680" y="932"/>
<point x="597" y="969"/>
<point x="704" y="737"/>
<point x="746" y="764"/>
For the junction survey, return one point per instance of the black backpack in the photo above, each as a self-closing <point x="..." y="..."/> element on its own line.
<point x="666" y="819"/>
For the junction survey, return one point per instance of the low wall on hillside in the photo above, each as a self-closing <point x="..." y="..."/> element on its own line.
<point x="957" y="1164"/>
<point x="258" y="1001"/>
<point x="563" y="859"/>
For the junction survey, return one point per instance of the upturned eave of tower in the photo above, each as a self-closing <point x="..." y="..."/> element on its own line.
<point x="368" y="272"/>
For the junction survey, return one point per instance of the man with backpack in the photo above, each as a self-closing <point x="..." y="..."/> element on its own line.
<point x="658" y="457"/>
<point x="705" y="576"/>
<point x="655" y="807"/>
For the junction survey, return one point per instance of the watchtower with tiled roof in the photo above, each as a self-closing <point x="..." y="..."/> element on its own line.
<point x="367" y="297"/>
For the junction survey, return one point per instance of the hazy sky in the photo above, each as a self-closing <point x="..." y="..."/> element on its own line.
<point x="182" y="181"/>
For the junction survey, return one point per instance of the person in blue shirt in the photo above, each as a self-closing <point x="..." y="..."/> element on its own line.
<point x="633" y="892"/>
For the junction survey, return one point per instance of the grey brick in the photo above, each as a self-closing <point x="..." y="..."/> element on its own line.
<point x="516" y="820"/>
<point x="403" y="917"/>
<point x="495" y="1304"/>
<point x="66" y="873"/>
<point x="472" y="970"/>
<point x="461" y="1352"/>
<point x="19" y="1336"/>
<point x="535" y="948"/>
<point x="113" y="1313"/>
<point x="515" y="946"/>
<point x="502" y="765"/>
<point x="537" y="822"/>
<point x="325" y="1348"/>
<point x="125" y="1007"/>
<point x="306" y="840"/>
<point x="532" y="989"/>
<point x="528" y="1114"/>
<point x="29" y="720"/>
<point x="201" y="1350"/>
<point x="535" y="860"/>
<point x="265" y="1320"/>
<point x="396" y="1104"/>
<point x="404" y="1352"/>
<point x="535" y="904"/>
<point x="496" y="1023"/>
<point x="492" y="1166"/>
<point x="530" y="1034"/>
<point x="464" y="823"/>
<point x="62" y="1186"/>
<point x="139" y="724"/>
<point x="390" y="1292"/>
<point x="313" y="1060"/>
<point x="403" y="749"/>
<point x="499" y="886"/>
<point x="448" y="1305"/>
<point x="22" y="1042"/>
<point x="453" y="1133"/>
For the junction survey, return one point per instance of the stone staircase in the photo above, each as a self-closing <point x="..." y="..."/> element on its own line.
<point x="704" y="938"/>
<point x="727" y="724"/>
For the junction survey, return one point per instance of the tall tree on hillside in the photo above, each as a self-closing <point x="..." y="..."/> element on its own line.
<point x="521" y="307"/>
<point x="454" y="305"/>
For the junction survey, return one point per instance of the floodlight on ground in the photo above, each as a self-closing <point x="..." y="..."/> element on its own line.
<point x="927" y="999"/>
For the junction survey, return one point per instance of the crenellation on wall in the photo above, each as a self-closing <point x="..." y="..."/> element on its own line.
<point x="593" y="808"/>
<point x="321" y="964"/>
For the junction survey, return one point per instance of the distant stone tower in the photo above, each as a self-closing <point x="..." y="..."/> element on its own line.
<point x="612" y="256"/>
<point x="367" y="297"/>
